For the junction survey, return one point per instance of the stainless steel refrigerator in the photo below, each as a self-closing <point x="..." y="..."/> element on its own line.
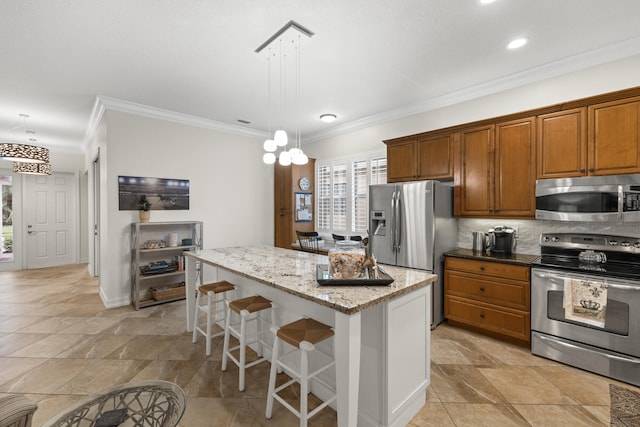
<point x="411" y="225"/>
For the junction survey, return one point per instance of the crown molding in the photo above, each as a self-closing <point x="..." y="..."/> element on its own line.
<point x="567" y="65"/>
<point x="96" y="115"/>
<point x="104" y="103"/>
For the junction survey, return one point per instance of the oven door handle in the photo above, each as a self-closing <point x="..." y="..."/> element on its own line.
<point x="620" y="286"/>
<point x="623" y="287"/>
<point x="553" y="342"/>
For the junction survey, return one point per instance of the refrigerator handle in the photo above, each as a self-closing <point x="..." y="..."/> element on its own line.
<point x="393" y="221"/>
<point x="398" y="237"/>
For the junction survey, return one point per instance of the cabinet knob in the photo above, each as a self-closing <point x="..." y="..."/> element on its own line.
<point x="482" y="315"/>
<point x="482" y="268"/>
<point x="582" y="170"/>
<point x="481" y="289"/>
<point x="592" y="169"/>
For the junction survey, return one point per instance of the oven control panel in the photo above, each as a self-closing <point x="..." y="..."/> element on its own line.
<point x="591" y="241"/>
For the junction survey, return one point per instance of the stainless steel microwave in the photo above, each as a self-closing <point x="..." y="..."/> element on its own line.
<point x="612" y="198"/>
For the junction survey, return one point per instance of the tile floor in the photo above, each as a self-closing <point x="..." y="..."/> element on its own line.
<point x="58" y="344"/>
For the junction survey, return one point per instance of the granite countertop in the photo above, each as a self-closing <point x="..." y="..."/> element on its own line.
<point x="514" y="258"/>
<point x="294" y="272"/>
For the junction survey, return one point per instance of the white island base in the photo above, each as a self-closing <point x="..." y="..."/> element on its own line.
<point x="381" y="349"/>
<point x="394" y="360"/>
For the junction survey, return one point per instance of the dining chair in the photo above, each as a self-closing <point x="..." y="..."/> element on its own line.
<point x="308" y="241"/>
<point x="338" y="237"/>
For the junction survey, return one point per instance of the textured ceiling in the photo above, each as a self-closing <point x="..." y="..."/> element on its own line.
<point x="368" y="59"/>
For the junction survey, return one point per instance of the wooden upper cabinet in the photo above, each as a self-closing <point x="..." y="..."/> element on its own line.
<point x="474" y="172"/>
<point x="496" y="172"/>
<point x="614" y="144"/>
<point x="435" y="157"/>
<point x="420" y="157"/>
<point x="562" y="144"/>
<point x="515" y="169"/>
<point x="402" y="158"/>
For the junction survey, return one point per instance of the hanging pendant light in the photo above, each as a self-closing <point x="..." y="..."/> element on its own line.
<point x="284" y="159"/>
<point x="30" y="168"/>
<point x="269" y="158"/>
<point x="297" y="155"/>
<point x="280" y="136"/>
<point x="269" y="145"/>
<point x="24" y="153"/>
<point x="18" y="152"/>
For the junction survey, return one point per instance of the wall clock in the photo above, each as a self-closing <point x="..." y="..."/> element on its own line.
<point x="304" y="183"/>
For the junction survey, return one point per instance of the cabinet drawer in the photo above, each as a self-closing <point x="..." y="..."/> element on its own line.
<point x="507" y="322"/>
<point x="498" y="269"/>
<point x="508" y="293"/>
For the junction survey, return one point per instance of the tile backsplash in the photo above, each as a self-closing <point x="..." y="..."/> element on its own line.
<point x="529" y="230"/>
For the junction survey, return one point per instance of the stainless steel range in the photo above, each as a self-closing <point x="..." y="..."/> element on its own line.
<point x="585" y="303"/>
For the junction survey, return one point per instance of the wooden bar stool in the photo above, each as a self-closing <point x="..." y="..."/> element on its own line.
<point x="302" y="334"/>
<point x="248" y="309"/>
<point x="215" y="314"/>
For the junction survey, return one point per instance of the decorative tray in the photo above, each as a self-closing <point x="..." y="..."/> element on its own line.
<point x="322" y="276"/>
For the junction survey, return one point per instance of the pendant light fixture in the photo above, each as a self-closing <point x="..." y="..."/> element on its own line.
<point x="18" y="152"/>
<point x="32" y="168"/>
<point x="280" y="138"/>
<point x="297" y="155"/>
<point x="270" y="145"/>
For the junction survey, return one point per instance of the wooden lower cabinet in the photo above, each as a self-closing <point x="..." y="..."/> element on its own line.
<point x="490" y="297"/>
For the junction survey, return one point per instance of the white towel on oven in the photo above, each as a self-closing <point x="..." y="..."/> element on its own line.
<point x="585" y="301"/>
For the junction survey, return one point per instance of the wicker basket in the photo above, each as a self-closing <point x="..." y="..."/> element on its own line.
<point x="162" y="294"/>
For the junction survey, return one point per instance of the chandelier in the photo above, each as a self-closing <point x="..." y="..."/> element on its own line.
<point x="32" y="168"/>
<point x="26" y="158"/>
<point x="280" y="138"/>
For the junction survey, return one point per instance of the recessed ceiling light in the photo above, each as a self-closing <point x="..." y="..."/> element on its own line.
<point x="486" y="1"/>
<point x="328" y="118"/>
<point x="518" y="43"/>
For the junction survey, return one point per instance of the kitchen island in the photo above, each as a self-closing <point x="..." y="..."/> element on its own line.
<point x="381" y="340"/>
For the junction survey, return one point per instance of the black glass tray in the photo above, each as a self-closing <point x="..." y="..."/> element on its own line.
<point x="322" y="276"/>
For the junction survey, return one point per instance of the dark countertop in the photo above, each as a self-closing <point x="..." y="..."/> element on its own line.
<point x="514" y="258"/>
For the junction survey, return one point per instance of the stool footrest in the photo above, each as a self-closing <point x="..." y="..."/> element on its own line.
<point x="291" y="358"/>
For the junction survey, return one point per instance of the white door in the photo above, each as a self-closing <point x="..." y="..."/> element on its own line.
<point x="51" y="219"/>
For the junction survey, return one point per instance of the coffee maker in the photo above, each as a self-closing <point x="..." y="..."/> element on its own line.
<point x="502" y="240"/>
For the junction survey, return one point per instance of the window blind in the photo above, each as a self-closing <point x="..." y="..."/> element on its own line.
<point x="339" y="214"/>
<point x="360" y="205"/>
<point x="323" y="190"/>
<point x="342" y="188"/>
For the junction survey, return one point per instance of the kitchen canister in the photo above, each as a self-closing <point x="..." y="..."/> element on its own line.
<point x="479" y="241"/>
<point x="346" y="260"/>
<point x="173" y="239"/>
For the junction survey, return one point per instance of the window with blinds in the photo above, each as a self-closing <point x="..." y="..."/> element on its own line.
<point x="323" y="197"/>
<point x="339" y="212"/>
<point x="359" y="174"/>
<point x="343" y="192"/>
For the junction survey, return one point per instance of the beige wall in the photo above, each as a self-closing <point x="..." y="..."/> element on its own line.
<point x="231" y="190"/>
